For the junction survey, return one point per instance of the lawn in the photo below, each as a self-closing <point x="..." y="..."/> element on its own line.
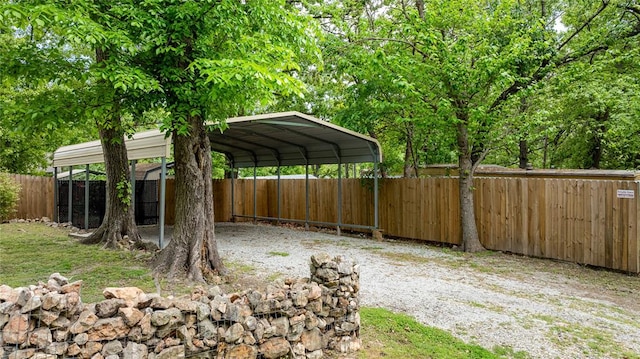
<point x="30" y="252"/>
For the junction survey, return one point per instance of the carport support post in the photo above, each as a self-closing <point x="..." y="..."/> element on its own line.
<point x="133" y="188"/>
<point x="306" y="196"/>
<point x="233" y="194"/>
<point x="255" y="196"/>
<point x="55" y="194"/>
<point x="163" y="180"/>
<point x="377" y="233"/>
<point x="339" y="197"/>
<point x="86" y="197"/>
<point x="278" y="200"/>
<point x="70" y="196"/>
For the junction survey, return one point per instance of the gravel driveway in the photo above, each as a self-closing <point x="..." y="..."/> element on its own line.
<point x="545" y="308"/>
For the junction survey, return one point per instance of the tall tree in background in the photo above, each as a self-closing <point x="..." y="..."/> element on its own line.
<point x="465" y="61"/>
<point x="214" y="60"/>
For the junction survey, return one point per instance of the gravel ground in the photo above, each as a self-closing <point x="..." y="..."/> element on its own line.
<point x="545" y="308"/>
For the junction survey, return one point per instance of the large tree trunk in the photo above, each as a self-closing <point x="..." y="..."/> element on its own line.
<point x="119" y="217"/>
<point x="193" y="250"/>
<point x="470" y="238"/>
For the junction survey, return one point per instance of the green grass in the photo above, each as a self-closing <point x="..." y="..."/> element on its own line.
<point x="278" y="254"/>
<point x="389" y="335"/>
<point x="30" y="252"/>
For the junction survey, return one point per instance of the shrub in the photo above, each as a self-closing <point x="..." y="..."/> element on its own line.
<point x="9" y="195"/>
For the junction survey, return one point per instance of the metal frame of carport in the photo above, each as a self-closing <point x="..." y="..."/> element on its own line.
<point x="306" y="137"/>
<point x="148" y="144"/>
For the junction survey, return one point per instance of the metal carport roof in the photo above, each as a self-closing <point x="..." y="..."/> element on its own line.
<point x="291" y="138"/>
<point x="147" y="144"/>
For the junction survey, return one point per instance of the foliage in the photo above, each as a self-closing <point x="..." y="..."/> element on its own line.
<point x="9" y="196"/>
<point x="124" y="190"/>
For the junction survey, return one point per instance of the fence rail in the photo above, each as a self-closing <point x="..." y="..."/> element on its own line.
<point x="580" y="220"/>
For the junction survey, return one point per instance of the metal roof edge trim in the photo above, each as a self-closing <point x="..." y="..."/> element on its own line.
<point x="146" y="144"/>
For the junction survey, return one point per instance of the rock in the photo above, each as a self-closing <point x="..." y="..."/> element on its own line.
<point x="45" y="316"/>
<point x="85" y="321"/>
<point x="22" y="295"/>
<point x="71" y="303"/>
<point x="203" y="311"/>
<point x="73" y="350"/>
<point x="16" y="329"/>
<point x="327" y="274"/>
<point x="41" y="337"/>
<point x="242" y="351"/>
<point x="147" y="330"/>
<point x="81" y="339"/>
<point x="107" y="308"/>
<point x="281" y="326"/>
<point x="319" y="259"/>
<point x="51" y="300"/>
<point x="275" y="348"/>
<point x="72" y="287"/>
<point x="130" y="315"/>
<point x="160" y="317"/>
<point x="130" y="295"/>
<point x="32" y="304"/>
<point x="61" y="322"/>
<point x="22" y="354"/>
<point x="214" y="291"/>
<point x="57" y="348"/>
<point x="187" y="306"/>
<point x="6" y="307"/>
<point x="61" y="335"/>
<point x="135" y="351"/>
<point x="344" y="267"/>
<point x="315" y="292"/>
<point x="7" y="294"/>
<point x="90" y="349"/>
<point x="176" y="352"/>
<point x="250" y="323"/>
<point x="207" y="329"/>
<point x="318" y="354"/>
<point x="43" y="356"/>
<point x="112" y="347"/>
<point x="108" y="329"/>
<point x="234" y="333"/>
<point x="4" y="318"/>
<point x="59" y="279"/>
<point x="312" y="340"/>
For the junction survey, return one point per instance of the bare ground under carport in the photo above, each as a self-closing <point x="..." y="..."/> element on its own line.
<point x="546" y="308"/>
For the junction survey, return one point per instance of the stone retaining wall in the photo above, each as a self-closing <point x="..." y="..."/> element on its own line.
<point x="302" y="318"/>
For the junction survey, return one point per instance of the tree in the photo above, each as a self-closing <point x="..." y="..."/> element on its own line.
<point x="466" y="61"/>
<point x="213" y="60"/>
<point x="61" y="40"/>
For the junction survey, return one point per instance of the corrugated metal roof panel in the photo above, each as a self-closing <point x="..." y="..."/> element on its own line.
<point x="148" y="144"/>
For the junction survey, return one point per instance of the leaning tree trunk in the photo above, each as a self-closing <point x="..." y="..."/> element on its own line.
<point x="193" y="250"/>
<point x="470" y="237"/>
<point x="119" y="219"/>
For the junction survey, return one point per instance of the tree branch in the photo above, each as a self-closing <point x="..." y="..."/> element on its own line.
<point x="604" y="5"/>
<point x="411" y="44"/>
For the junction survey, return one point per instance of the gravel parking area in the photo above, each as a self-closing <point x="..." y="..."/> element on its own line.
<point x="545" y="308"/>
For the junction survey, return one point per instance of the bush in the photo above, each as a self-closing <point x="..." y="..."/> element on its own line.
<point x="9" y="195"/>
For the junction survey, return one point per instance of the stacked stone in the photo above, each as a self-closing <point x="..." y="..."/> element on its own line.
<point x="300" y="318"/>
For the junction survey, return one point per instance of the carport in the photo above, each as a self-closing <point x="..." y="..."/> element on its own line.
<point x="270" y="140"/>
<point x="147" y="144"/>
<point x="292" y="139"/>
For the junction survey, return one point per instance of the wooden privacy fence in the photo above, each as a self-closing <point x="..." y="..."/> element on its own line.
<point x="579" y="220"/>
<point x="36" y="197"/>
